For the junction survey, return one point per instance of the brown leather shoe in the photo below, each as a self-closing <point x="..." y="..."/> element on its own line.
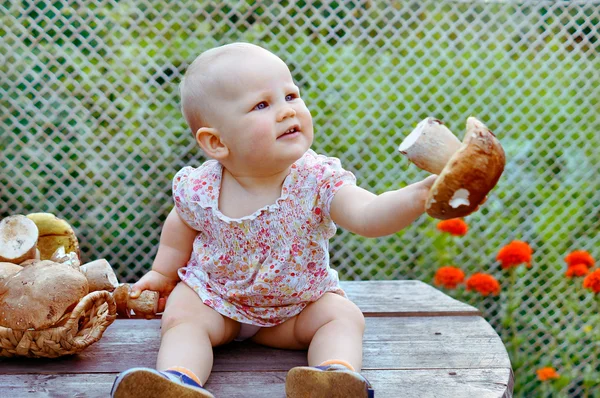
<point x="150" y="383"/>
<point x="330" y="381"/>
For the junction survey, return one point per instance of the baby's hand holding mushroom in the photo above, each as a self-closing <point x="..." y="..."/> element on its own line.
<point x="143" y="304"/>
<point x="156" y="282"/>
<point x="467" y="171"/>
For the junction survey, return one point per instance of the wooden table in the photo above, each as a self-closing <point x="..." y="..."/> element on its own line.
<point x="418" y="343"/>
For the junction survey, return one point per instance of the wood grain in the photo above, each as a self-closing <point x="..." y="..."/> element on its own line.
<point x="455" y="383"/>
<point x="418" y="343"/>
<point x="389" y="343"/>
<point x="403" y="298"/>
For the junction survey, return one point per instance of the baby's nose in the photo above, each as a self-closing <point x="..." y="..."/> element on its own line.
<point x="285" y="112"/>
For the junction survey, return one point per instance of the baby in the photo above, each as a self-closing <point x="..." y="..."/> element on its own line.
<point x="244" y="252"/>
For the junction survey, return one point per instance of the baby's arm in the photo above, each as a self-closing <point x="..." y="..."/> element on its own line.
<point x="370" y="215"/>
<point x="175" y="247"/>
<point x="174" y="250"/>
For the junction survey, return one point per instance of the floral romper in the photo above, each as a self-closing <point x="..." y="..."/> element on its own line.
<point x="264" y="268"/>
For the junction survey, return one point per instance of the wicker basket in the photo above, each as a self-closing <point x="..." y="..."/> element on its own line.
<point x="84" y="326"/>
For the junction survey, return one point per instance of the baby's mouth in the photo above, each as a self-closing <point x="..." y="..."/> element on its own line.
<point x="291" y="131"/>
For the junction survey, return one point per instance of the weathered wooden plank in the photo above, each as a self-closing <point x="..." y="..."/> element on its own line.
<point x="456" y="383"/>
<point x="403" y="298"/>
<point x="446" y="352"/>
<point x="389" y="343"/>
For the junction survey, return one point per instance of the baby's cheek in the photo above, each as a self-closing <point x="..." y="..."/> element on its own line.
<point x="262" y="133"/>
<point x="257" y="147"/>
<point x="304" y="112"/>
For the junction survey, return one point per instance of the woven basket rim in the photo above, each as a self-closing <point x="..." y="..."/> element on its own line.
<point x="98" y="307"/>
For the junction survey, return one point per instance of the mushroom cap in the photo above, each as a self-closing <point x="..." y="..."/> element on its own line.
<point x="54" y="233"/>
<point x="28" y="263"/>
<point x="469" y="175"/>
<point x="8" y="269"/>
<point x="38" y="295"/>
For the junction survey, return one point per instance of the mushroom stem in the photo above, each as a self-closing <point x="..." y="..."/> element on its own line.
<point x="18" y="239"/>
<point x="430" y="145"/>
<point x="145" y="305"/>
<point x="100" y="275"/>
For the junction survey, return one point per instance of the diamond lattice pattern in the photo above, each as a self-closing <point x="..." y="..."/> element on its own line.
<point x="90" y="130"/>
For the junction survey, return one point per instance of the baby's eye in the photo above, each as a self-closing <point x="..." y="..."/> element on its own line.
<point x="260" y="105"/>
<point x="291" y="97"/>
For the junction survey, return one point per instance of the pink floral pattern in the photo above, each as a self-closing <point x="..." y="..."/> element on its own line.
<point x="264" y="268"/>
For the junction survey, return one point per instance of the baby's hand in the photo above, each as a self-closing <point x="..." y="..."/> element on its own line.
<point x="428" y="182"/>
<point x="156" y="282"/>
<point x="424" y="186"/>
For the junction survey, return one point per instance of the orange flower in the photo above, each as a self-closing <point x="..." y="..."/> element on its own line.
<point x="547" y="373"/>
<point x="454" y="226"/>
<point x="483" y="283"/>
<point x="580" y="257"/>
<point x="449" y="277"/>
<point x="576" y="270"/>
<point x="592" y="281"/>
<point x="515" y="254"/>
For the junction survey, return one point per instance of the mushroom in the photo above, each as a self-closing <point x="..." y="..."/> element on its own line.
<point x="38" y="296"/>
<point x="54" y="233"/>
<point x="466" y="173"/>
<point x="145" y="305"/>
<point x="100" y="275"/>
<point x="8" y="269"/>
<point x="18" y="239"/>
<point x="430" y="145"/>
<point x="30" y="262"/>
<point x="71" y="258"/>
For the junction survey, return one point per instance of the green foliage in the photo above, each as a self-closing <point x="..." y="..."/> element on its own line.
<point x="92" y="131"/>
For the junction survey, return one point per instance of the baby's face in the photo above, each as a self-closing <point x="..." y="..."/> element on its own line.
<point x="260" y="115"/>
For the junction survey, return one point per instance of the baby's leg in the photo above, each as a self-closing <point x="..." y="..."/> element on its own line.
<point x="332" y="328"/>
<point x="189" y="331"/>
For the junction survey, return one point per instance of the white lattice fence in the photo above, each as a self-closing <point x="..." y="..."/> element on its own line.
<point x="90" y="130"/>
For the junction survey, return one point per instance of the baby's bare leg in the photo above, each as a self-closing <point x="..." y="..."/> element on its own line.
<point x="331" y="328"/>
<point x="189" y="331"/>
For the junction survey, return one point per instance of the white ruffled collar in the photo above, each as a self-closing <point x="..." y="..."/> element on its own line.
<point x="215" y="173"/>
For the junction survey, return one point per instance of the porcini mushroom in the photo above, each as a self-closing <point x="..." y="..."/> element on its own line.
<point x="18" y="239"/>
<point x="8" y="269"/>
<point x="145" y="305"/>
<point x="469" y="173"/>
<point x="430" y="145"/>
<point x="38" y="296"/>
<point x="100" y="275"/>
<point x="31" y="262"/>
<point x="71" y="259"/>
<point x="54" y="233"/>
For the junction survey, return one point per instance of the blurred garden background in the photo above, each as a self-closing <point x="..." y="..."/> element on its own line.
<point x="91" y="131"/>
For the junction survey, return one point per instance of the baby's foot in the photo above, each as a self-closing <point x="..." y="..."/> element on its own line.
<point x="330" y="381"/>
<point x="150" y="383"/>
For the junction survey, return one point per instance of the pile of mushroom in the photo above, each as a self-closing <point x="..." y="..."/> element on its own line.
<point x="466" y="171"/>
<point x="42" y="279"/>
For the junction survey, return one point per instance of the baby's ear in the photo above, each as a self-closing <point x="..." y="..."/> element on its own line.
<point x="210" y="142"/>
